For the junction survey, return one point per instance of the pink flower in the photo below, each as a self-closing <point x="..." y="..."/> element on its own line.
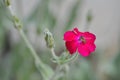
<point x="81" y="41"/>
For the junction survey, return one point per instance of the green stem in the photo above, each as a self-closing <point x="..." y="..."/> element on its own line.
<point x="56" y="72"/>
<point x="65" y="63"/>
<point x="18" y="26"/>
<point x="44" y="69"/>
<point x="29" y="45"/>
<point x="73" y="58"/>
<point x="53" y="53"/>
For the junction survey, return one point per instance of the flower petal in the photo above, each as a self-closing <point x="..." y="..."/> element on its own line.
<point x="77" y="32"/>
<point x="91" y="46"/>
<point x="89" y="36"/>
<point x="70" y="35"/>
<point x="83" y="50"/>
<point x="71" y="46"/>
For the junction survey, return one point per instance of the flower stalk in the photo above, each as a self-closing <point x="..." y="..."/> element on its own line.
<point x="44" y="69"/>
<point x="61" y="60"/>
<point x="53" y="53"/>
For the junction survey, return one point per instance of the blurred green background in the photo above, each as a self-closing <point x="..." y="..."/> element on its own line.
<point x="98" y="16"/>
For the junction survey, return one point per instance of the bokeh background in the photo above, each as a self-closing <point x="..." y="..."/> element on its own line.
<point x="16" y="62"/>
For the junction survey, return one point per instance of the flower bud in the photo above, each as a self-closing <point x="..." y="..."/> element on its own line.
<point x="49" y="39"/>
<point x="17" y="23"/>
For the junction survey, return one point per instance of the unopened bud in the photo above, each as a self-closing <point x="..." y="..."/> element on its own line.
<point x="49" y="39"/>
<point x="17" y="23"/>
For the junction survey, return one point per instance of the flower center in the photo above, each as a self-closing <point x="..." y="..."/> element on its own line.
<point x="82" y="39"/>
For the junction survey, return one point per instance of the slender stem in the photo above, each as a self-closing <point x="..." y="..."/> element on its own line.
<point x="53" y="53"/>
<point x="66" y="72"/>
<point x="56" y="72"/>
<point x="23" y="35"/>
<point x="73" y="58"/>
<point x="29" y="45"/>
<point x="44" y="69"/>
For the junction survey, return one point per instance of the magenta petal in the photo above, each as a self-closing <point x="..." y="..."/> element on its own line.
<point x="83" y="50"/>
<point x="71" y="46"/>
<point x="91" y="46"/>
<point x="78" y="33"/>
<point x="69" y="36"/>
<point x="89" y="36"/>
